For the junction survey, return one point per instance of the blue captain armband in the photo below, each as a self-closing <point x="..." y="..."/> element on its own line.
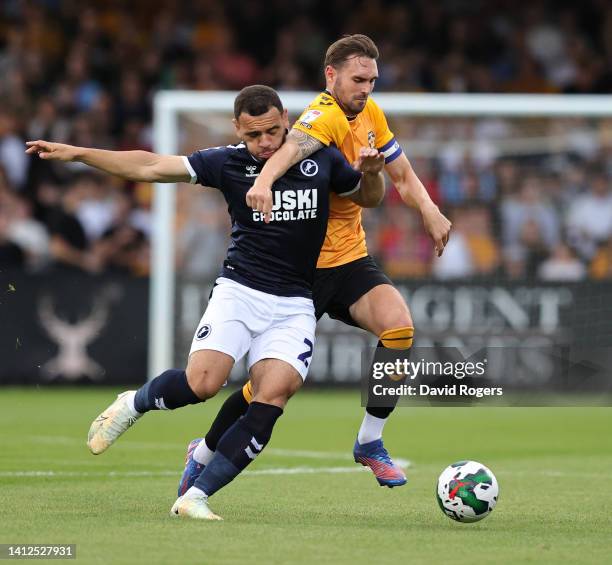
<point x="391" y="150"/>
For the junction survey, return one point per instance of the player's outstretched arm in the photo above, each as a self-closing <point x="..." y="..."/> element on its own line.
<point x="297" y="146"/>
<point x="139" y="166"/>
<point x="372" y="190"/>
<point x="414" y="194"/>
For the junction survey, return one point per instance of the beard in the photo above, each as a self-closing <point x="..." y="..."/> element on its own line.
<point x="357" y="105"/>
<point x="352" y="106"/>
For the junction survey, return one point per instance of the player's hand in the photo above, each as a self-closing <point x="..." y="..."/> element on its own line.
<point x="259" y="197"/>
<point x="369" y="161"/>
<point x="54" y="151"/>
<point x="437" y="226"/>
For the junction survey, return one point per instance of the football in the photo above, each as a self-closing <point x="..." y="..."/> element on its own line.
<point x="467" y="491"/>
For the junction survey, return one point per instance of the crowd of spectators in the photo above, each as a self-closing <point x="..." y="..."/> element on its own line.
<point x="85" y="74"/>
<point x="546" y="217"/>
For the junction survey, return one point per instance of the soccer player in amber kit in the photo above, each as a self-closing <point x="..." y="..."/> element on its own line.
<point x="349" y="286"/>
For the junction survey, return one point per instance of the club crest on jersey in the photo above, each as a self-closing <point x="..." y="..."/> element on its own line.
<point x="203" y="332"/>
<point x="309" y="168"/>
<point x="251" y="171"/>
<point x="371" y="139"/>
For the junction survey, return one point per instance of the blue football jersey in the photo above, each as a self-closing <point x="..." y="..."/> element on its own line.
<point x="280" y="257"/>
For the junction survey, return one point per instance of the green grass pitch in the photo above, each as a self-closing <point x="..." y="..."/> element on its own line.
<point x="304" y="500"/>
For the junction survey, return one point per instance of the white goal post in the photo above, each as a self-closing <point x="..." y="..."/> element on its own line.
<point x="168" y="105"/>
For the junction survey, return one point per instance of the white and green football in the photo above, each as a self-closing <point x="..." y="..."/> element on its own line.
<point x="467" y="491"/>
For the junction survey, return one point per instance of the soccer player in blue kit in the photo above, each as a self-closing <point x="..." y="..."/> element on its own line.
<point x="262" y="301"/>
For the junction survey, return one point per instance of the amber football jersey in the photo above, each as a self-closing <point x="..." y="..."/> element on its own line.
<point x="325" y="120"/>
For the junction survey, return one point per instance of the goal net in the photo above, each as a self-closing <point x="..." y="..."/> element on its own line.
<point x="525" y="179"/>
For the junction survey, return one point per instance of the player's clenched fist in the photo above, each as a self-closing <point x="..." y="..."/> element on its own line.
<point x="369" y="161"/>
<point x="259" y="197"/>
<point x="48" y="150"/>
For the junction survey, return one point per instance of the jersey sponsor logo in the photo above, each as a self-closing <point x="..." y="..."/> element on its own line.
<point x="371" y="139"/>
<point x="250" y="171"/>
<point x="309" y="168"/>
<point x="305" y="125"/>
<point x="310" y="116"/>
<point x="291" y="205"/>
<point x="203" y="332"/>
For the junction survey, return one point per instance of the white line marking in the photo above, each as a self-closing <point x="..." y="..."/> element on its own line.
<point x="306" y="454"/>
<point x="176" y="473"/>
<point x="269" y="471"/>
<point x="305" y="470"/>
<point x="324" y="455"/>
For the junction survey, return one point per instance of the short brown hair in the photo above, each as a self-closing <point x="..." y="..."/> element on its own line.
<point x="256" y="100"/>
<point x="357" y="45"/>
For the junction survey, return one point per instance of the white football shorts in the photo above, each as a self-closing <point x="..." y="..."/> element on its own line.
<point x="240" y="319"/>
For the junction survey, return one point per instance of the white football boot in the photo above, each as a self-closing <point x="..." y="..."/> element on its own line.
<point x="109" y="425"/>
<point x="193" y="506"/>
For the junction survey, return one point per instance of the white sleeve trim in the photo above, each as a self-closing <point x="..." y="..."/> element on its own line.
<point x="192" y="173"/>
<point x="353" y="191"/>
